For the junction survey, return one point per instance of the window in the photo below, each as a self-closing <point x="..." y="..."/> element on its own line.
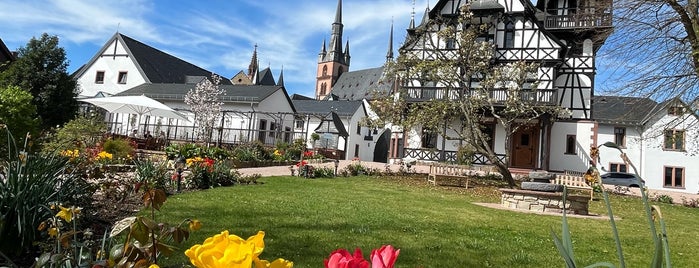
<point x="674" y="177"/>
<point x="356" y="150"/>
<point x="674" y="140"/>
<point x="509" y="41"/>
<point x="359" y="130"/>
<point x="450" y="43"/>
<point x="675" y="110"/>
<point x="617" y="167"/>
<point x="323" y="89"/>
<point x="325" y="70"/>
<point x="429" y="138"/>
<point x="570" y="144"/>
<point x="99" y="77"/>
<point x="489" y="132"/>
<point x="620" y="136"/>
<point x="122" y="78"/>
<point x="299" y="123"/>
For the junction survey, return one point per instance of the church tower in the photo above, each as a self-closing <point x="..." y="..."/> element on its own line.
<point x="333" y="61"/>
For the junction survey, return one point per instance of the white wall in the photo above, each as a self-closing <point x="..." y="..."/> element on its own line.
<point x="579" y="161"/>
<point x="111" y="66"/>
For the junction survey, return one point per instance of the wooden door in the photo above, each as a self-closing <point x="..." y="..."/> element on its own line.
<point x="524" y="147"/>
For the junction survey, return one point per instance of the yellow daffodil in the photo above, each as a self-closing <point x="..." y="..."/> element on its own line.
<point x="194" y="225"/>
<point x="153" y="266"/>
<point x="53" y="232"/>
<point x="104" y="155"/>
<point x="68" y="213"/>
<point x="224" y="250"/>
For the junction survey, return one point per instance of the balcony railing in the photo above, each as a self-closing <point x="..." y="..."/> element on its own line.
<point x="539" y="96"/>
<point x="585" y="18"/>
<point x="444" y="156"/>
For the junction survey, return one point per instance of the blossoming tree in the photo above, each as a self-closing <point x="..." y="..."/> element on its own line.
<point x="205" y="102"/>
<point x="462" y="90"/>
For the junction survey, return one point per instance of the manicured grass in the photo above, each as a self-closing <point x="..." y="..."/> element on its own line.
<point x="305" y="220"/>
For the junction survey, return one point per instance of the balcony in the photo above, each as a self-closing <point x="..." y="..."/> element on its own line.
<point x="587" y="19"/>
<point x="423" y="154"/>
<point x="538" y="97"/>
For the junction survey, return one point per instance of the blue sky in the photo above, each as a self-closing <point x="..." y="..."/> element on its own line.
<point x="217" y="35"/>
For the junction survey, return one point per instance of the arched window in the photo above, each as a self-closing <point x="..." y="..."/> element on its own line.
<point x="325" y="70"/>
<point x="323" y="88"/>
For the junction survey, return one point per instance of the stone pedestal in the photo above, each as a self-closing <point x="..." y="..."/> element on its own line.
<point x="544" y="201"/>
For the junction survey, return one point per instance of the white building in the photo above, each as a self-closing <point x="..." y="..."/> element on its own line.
<point x="660" y="139"/>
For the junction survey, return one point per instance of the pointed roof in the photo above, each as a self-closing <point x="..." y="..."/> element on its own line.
<point x="253" y="67"/>
<point x="389" y="54"/>
<point x="280" y="82"/>
<point x="361" y="84"/>
<point x="321" y="107"/>
<point x="155" y="66"/>
<point x="338" y="12"/>
<point x="266" y="78"/>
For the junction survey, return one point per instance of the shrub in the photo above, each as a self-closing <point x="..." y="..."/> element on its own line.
<point x="223" y="174"/>
<point x="323" y="172"/>
<point x="119" y="148"/>
<point x="690" y="202"/>
<point x="253" y="151"/>
<point x="663" y="198"/>
<point x="152" y="174"/>
<point x="185" y="150"/>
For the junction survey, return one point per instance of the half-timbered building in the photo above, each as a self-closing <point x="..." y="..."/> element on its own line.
<point x="560" y="36"/>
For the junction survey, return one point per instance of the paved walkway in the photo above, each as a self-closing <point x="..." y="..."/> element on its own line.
<point x="284" y="171"/>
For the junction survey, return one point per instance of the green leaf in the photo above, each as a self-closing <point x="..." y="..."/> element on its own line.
<point x="140" y="231"/>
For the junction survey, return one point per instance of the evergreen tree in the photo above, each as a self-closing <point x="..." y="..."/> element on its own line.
<point x="41" y="69"/>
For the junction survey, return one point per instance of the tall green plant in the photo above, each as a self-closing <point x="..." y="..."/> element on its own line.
<point x="30" y="184"/>
<point x="661" y="252"/>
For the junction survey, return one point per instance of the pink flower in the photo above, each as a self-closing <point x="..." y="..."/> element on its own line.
<point x="341" y="258"/>
<point x="384" y="257"/>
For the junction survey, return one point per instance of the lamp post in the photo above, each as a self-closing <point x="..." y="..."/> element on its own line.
<point x="179" y="166"/>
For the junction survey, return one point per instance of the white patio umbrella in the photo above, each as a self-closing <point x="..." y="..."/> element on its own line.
<point x="140" y="105"/>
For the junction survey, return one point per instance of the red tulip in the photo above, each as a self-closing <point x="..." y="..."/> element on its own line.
<point x="341" y="258"/>
<point x="385" y="257"/>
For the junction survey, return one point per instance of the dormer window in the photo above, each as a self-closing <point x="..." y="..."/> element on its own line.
<point x="122" y="78"/>
<point x="99" y="77"/>
<point x="675" y="110"/>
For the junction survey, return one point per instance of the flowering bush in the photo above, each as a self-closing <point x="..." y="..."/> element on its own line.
<point x="384" y="257"/>
<point x="225" y="250"/>
<point x="202" y="172"/>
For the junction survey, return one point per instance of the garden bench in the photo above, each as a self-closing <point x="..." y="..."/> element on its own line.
<point x="449" y="171"/>
<point x="574" y="182"/>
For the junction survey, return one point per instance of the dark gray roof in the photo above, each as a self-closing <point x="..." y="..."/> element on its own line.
<point x="266" y="78"/>
<point x="300" y="97"/>
<point x="320" y="107"/>
<point x="233" y="93"/>
<point x="157" y="66"/>
<point x="361" y="84"/>
<point x="622" y="110"/>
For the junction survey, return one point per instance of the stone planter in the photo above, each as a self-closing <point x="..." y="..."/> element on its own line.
<point x="538" y="201"/>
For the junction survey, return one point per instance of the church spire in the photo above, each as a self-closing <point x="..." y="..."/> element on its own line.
<point x="389" y="55"/>
<point x="346" y="53"/>
<point x="336" y="37"/>
<point x="253" y="67"/>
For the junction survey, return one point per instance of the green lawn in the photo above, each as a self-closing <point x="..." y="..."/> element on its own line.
<point x="306" y="219"/>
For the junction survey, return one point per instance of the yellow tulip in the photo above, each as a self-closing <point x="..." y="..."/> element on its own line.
<point x="224" y="250"/>
<point x="153" y="266"/>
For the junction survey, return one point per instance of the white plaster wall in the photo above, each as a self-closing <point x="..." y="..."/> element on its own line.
<point x="559" y="160"/>
<point x="633" y="149"/>
<point x="111" y="67"/>
<point x="656" y="158"/>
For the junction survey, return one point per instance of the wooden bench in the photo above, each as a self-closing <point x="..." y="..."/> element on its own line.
<point x="574" y="182"/>
<point x="449" y="171"/>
